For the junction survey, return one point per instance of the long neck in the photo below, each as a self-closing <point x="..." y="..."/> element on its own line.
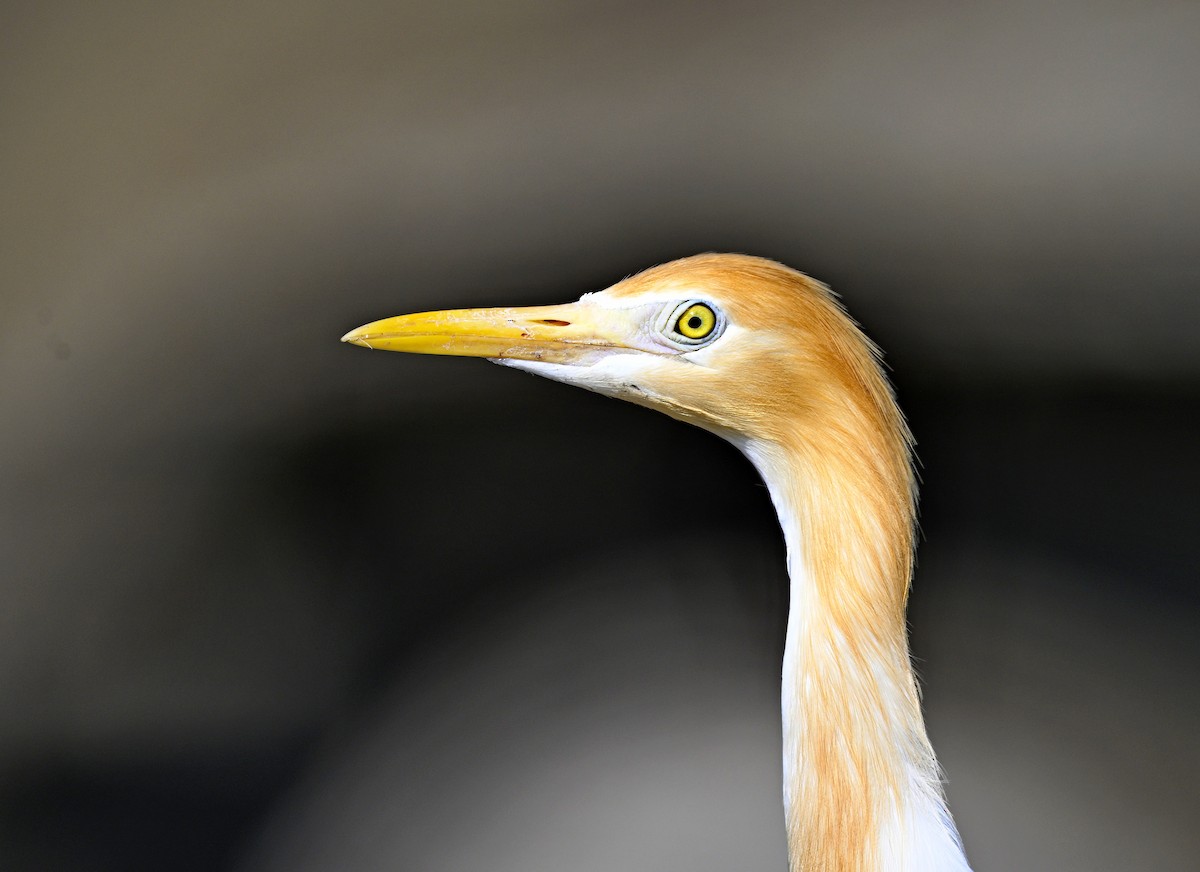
<point x="862" y="791"/>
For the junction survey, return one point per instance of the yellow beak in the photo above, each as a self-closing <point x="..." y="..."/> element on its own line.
<point x="572" y="333"/>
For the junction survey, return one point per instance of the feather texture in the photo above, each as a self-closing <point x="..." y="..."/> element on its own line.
<point x="817" y="417"/>
<point x="777" y="367"/>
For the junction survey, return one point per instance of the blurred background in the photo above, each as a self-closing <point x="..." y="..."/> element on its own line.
<point x="270" y="602"/>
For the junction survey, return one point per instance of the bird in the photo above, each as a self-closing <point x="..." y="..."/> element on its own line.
<point x="768" y="358"/>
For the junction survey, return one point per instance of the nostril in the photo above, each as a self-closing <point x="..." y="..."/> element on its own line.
<point x="552" y="322"/>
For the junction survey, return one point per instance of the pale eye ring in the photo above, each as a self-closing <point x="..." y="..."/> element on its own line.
<point x="694" y="322"/>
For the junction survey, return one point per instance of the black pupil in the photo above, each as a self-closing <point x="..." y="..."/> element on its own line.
<point x="694" y="322"/>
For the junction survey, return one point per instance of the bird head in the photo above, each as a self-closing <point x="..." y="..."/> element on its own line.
<point x="739" y="345"/>
<point x="766" y="357"/>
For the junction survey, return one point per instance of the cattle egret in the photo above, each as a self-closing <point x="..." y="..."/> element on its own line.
<point x="765" y="357"/>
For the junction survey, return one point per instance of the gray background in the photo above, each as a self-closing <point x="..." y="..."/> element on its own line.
<point x="273" y="603"/>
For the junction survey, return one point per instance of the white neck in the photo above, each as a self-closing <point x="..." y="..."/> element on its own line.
<point x="854" y="742"/>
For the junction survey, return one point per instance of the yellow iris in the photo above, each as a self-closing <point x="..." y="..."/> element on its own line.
<point x="697" y="321"/>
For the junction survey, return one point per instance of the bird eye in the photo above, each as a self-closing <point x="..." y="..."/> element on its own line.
<point x="697" y="321"/>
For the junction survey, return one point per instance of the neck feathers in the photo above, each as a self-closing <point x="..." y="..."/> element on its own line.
<point x="818" y="419"/>
<point x="862" y="787"/>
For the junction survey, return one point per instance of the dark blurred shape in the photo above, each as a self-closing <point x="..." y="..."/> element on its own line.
<point x="268" y="603"/>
